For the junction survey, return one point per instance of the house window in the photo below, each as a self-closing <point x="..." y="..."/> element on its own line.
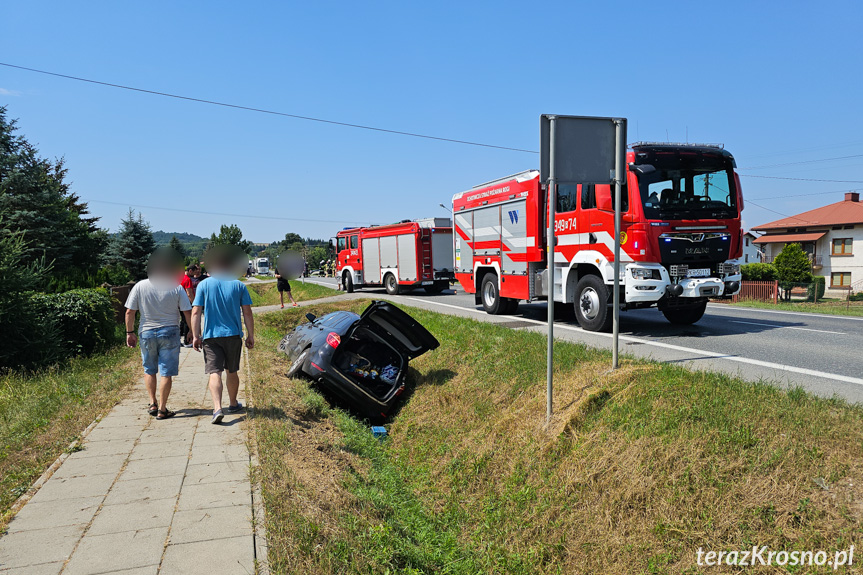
<point x="840" y="279"/>
<point x="841" y="247"/>
<point x="747" y="242"/>
<point x="746" y="258"/>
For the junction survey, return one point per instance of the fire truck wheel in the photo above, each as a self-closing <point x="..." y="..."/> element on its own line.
<point x="347" y="283"/>
<point x="591" y="304"/>
<point x="391" y="284"/>
<point x="685" y="315"/>
<point x="491" y="300"/>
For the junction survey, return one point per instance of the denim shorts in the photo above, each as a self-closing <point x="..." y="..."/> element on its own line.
<point x="160" y="351"/>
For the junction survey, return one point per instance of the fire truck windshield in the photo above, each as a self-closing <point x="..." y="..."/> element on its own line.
<point x="688" y="193"/>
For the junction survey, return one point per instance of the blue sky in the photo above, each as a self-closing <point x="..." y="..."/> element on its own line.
<point x="776" y="82"/>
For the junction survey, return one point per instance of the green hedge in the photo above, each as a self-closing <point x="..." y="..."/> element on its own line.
<point x="84" y="319"/>
<point x="758" y="272"/>
<point x="42" y="329"/>
<point x="819" y="281"/>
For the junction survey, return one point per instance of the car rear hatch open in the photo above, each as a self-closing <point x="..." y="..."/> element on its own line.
<point x="399" y="329"/>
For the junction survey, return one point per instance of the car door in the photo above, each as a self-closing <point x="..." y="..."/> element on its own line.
<point x="401" y="330"/>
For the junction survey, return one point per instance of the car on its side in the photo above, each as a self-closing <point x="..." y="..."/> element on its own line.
<point x="360" y="359"/>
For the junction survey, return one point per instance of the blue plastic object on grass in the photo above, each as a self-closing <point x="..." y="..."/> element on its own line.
<point x="379" y="431"/>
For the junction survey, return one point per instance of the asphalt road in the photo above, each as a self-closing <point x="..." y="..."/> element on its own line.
<point x="821" y="353"/>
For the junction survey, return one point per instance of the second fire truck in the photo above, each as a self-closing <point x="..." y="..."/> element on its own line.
<point x="399" y="257"/>
<point x="680" y="237"/>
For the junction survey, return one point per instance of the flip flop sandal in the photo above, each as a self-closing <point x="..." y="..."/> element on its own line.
<point x="165" y="414"/>
<point x="153" y="409"/>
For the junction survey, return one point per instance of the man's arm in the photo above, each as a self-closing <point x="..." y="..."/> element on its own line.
<point x="196" y="327"/>
<point x="249" y="320"/>
<point x="131" y="336"/>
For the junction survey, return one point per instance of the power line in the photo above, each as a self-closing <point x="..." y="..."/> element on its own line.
<point x="272" y="112"/>
<point x="778" y="213"/>
<point x="803" y="179"/>
<point x="801" y="162"/>
<point x="801" y="195"/>
<point x="353" y="222"/>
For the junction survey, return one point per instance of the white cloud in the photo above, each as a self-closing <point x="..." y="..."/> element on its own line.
<point x="5" y="92"/>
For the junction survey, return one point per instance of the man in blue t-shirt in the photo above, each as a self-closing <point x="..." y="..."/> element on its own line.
<point x="221" y="299"/>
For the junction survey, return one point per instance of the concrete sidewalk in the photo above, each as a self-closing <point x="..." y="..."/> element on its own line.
<point x="144" y="496"/>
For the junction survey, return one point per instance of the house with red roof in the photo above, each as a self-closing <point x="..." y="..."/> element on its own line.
<point x="831" y="235"/>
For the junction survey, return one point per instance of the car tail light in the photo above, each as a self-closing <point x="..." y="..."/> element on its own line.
<point x="333" y="340"/>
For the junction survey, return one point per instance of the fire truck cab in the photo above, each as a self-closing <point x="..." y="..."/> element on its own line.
<point x="398" y="257"/>
<point x="680" y="237"/>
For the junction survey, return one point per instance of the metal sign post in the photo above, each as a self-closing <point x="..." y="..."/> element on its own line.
<point x="552" y="200"/>
<point x="579" y="150"/>
<point x="619" y="158"/>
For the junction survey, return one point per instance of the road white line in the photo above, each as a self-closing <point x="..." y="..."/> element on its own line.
<point x="785" y="326"/>
<point x="737" y="358"/>
<point x="726" y="307"/>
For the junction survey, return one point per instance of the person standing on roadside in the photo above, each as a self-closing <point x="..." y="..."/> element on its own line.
<point x="190" y="282"/>
<point x="220" y="300"/>
<point x="160" y="300"/>
<point x="283" y="285"/>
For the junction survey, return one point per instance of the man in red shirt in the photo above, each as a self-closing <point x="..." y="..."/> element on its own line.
<point x="190" y="282"/>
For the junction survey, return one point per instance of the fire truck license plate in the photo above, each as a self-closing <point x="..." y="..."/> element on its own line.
<point x="427" y="283"/>
<point x="699" y="273"/>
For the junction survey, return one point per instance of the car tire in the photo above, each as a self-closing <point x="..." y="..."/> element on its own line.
<point x="686" y="315"/>
<point x="347" y="283"/>
<point x="492" y="303"/>
<point x="297" y="366"/>
<point x="391" y="284"/>
<point x="591" y="304"/>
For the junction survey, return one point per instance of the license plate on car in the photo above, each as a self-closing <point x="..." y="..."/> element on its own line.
<point x="698" y="273"/>
<point x="427" y="283"/>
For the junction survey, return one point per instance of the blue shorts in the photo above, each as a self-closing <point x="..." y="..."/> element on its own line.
<point x="160" y="351"/>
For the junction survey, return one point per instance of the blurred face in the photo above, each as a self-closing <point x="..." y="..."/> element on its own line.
<point x="227" y="262"/>
<point x="164" y="268"/>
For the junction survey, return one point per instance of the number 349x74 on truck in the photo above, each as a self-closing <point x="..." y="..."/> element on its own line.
<point x="680" y="237"/>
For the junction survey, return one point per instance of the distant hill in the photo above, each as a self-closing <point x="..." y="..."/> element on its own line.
<point x="164" y="238"/>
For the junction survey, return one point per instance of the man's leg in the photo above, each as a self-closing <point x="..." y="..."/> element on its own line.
<point x="233" y="383"/>
<point x="164" y="392"/>
<point x="150" y="382"/>
<point x="216" y="390"/>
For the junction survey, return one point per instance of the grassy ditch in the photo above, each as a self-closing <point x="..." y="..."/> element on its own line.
<point x="43" y="412"/>
<point x="854" y="308"/>
<point x="637" y="470"/>
<point x="267" y="294"/>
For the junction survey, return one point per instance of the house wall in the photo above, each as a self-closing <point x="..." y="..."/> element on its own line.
<point x="852" y="263"/>
<point x="750" y="250"/>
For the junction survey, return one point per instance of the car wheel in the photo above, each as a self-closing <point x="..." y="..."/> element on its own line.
<point x="347" y="283"/>
<point x="591" y="304"/>
<point x="490" y="295"/>
<point x="391" y="284"/>
<point x="297" y="366"/>
<point x="686" y="315"/>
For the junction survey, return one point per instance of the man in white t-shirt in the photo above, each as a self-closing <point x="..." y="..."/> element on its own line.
<point x="160" y="299"/>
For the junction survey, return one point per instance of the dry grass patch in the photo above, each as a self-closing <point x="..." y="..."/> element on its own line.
<point x="42" y="413"/>
<point x="639" y="468"/>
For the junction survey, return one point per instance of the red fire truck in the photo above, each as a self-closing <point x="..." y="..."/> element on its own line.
<point x="680" y="237"/>
<point x="399" y="257"/>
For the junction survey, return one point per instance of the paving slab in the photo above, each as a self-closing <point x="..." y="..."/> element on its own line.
<point x="115" y="551"/>
<point x="77" y="511"/>
<point x="25" y="548"/>
<point x="223" y="556"/>
<point x="143" y="496"/>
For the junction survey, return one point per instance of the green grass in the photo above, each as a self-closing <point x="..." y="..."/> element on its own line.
<point x="43" y="412"/>
<point x="638" y="468"/>
<point x="830" y="307"/>
<point x="268" y="294"/>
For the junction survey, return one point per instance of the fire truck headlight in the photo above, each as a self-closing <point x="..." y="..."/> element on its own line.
<point x="645" y="274"/>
